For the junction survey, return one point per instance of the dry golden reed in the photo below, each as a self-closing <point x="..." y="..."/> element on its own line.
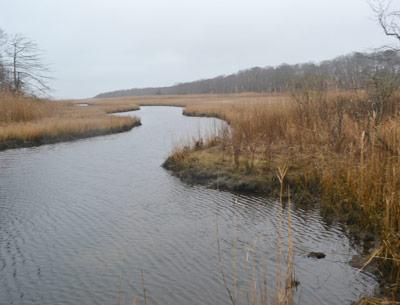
<point x="27" y="121"/>
<point x="347" y="141"/>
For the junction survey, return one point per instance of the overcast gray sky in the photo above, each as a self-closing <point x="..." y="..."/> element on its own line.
<point x="95" y="46"/>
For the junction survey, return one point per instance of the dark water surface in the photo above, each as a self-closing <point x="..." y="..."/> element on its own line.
<point x="79" y="221"/>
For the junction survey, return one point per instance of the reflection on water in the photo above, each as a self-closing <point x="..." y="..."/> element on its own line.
<point x="79" y="221"/>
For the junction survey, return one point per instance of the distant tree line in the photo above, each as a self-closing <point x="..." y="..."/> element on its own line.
<point x="21" y="66"/>
<point x="377" y="71"/>
<point x="349" y="72"/>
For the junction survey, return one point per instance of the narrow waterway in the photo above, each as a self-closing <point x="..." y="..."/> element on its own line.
<point x="80" y="221"/>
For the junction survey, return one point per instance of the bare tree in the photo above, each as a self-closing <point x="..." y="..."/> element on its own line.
<point x="24" y="60"/>
<point x="388" y="15"/>
<point x="385" y="80"/>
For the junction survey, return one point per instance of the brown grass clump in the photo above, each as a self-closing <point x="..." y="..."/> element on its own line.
<point x="26" y="121"/>
<point x="20" y="109"/>
<point x="375" y="301"/>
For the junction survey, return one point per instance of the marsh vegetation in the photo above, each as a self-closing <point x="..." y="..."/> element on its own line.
<point x="27" y="121"/>
<point x="340" y="147"/>
<point x="318" y="136"/>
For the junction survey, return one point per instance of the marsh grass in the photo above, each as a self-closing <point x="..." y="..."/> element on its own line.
<point x="27" y="121"/>
<point x="14" y="109"/>
<point x="376" y="301"/>
<point x="346" y="143"/>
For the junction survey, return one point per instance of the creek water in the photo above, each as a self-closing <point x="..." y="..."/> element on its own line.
<point x="80" y="222"/>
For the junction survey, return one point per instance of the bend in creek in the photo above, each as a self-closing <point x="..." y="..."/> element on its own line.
<point x="79" y="222"/>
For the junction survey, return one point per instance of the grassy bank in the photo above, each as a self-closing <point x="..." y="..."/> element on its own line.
<point x="26" y="122"/>
<point x="343" y="148"/>
<point x="208" y="165"/>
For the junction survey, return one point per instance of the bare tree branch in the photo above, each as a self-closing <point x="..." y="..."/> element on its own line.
<point x="25" y="62"/>
<point x="387" y="14"/>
